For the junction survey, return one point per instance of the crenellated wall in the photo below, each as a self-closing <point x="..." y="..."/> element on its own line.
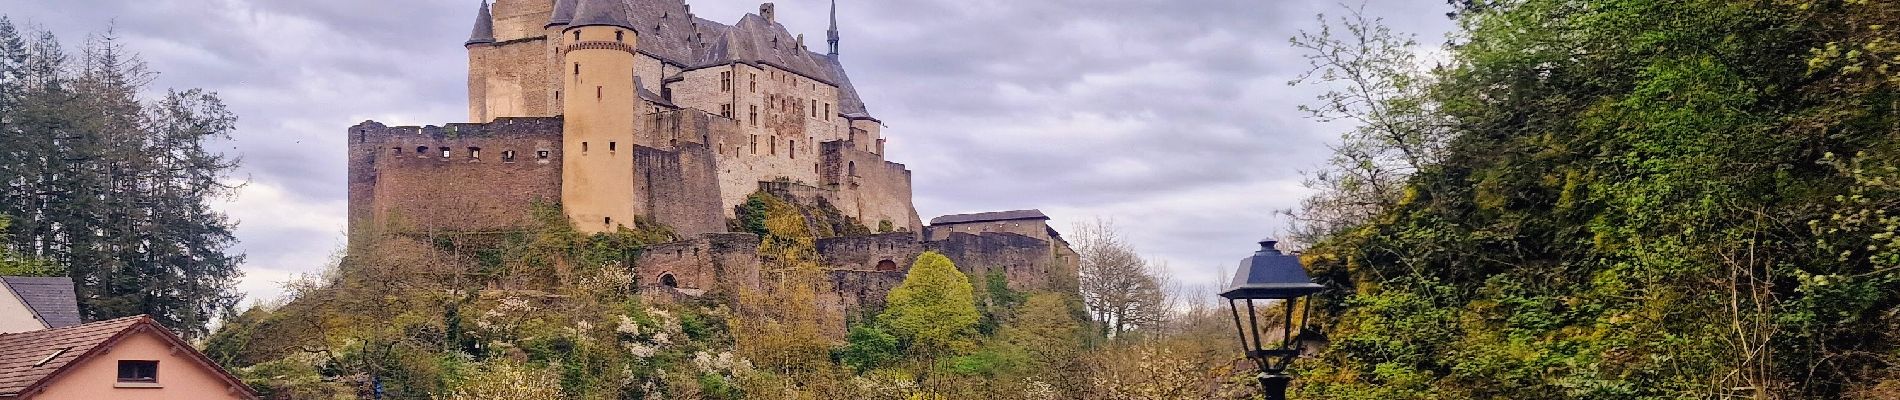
<point x="400" y="181"/>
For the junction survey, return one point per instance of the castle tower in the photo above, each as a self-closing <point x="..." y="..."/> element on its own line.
<point x="479" y="54"/>
<point x="600" y="100"/>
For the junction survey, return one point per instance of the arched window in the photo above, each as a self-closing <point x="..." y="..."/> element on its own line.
<point x="669" y="281"/>
<point x="577" y="34"/>
<point x="851" y="168"/>
<point x="887" y="266"/>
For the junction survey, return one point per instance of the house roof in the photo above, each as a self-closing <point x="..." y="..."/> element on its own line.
<point x="51" y="299"/>
<point x="31" y="360"/>
<point x="989" y="217"/>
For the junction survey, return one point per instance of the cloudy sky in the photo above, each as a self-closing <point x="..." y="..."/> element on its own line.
<point x="1171" y="117"/>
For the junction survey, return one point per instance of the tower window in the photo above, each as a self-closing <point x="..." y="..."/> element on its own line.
<point x="508" y="155"/>
<point x="577" y="34"/>
<point x="755" y="115"/>
<point x="609" y="221"/>
<point x="725" y="81"/>
<point x="755" y="144"/>
<point x="755" y="83"/>
<point x="613" y="146"/>
<point x="557" y="95"/>
<point x="620" y="36"/>
<point x="791" y="148"/>
<point x="600" y="92"/>
<point x="474" y="152"/>
<point x="772" y="147"/>
<point x="583" y="146"/>
<point x="725" y="110"/>
<point x="577" y="70"/>
<point x="827" y="107"/>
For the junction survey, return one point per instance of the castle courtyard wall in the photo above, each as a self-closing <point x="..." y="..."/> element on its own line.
<point x="401" y="182"/>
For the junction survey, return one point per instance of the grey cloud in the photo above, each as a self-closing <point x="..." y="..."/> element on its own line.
<point x="1171" y="116"/>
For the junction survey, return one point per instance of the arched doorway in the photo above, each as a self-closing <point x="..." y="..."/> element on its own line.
<point x="669" y="281"/>
<point x="887" y="266"/>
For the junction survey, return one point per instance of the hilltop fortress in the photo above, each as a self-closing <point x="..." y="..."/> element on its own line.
<point x="639" y="110"/>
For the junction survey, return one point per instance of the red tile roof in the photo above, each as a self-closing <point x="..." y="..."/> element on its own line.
<point x="29" y="360"/>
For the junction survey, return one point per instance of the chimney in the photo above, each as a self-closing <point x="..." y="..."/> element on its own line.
<point x="768" y="11"/>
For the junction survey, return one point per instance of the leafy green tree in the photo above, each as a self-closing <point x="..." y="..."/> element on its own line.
<point x="933" y="312"/>
<point x="868" y="347"/>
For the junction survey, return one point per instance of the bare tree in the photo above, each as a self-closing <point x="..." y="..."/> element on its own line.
<point x="1122" y="290"/>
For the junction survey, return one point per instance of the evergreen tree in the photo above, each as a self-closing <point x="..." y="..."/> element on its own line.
<point x="112" y="187"/>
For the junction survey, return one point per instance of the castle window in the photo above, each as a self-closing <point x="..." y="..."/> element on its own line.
<point x="422" y="149"/>
<point x="508" y="155"/>
<point x="755" y="115"/>
<point x="755" y="144"/>
<point x="445" y="152"/>
<point x="577" y="34"/>
<point x="772" y="146"/>
<point x="755" y="83"/>
<point x="814" y="108"/>
<point x="725" y="81"/>
<point x="609" y="221"/>
<point x="542" y="154"/>
<point x="620" y="36"/>
<point x="557" y="95"/>
<point x="827" y="107"/>
<point x="613" y="146"/>
<point x="599" y="92"/>
<point x="474" y="152"/>
<point x="887" y="266"/>
<point x="791" y="148"/>
<point x="725" y="110"/>
<point x="397" y="150"/>
<point x="577" y="70"/>
<point x="583" y="146"/>
<point x="851" y="168"/>
<point x="669" y="281"/>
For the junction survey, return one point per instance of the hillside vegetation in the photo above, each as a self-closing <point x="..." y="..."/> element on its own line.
<point x="1613" y="199"/>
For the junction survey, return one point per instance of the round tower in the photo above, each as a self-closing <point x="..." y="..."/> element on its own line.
<point x="598" y="103"/>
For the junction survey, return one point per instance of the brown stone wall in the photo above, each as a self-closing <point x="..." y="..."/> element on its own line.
<point x="866" y="253"/>
<point x="680" y="188"/>
<point x="521" y="19"/>
<point x="1025" y="262"/>
<point x="1038" y="229"/>
<point x="509" y="79"/>
<point x="396" y="189"/>
<point x="705" y="262"/>
<point x="868" y="188"/>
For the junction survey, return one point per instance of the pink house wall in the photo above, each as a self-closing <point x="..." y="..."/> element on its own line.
<point x="179" y="376"/>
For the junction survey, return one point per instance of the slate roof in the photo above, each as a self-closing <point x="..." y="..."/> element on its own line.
<point x="51" y="299"/>
<point x="30" y="360"/>
<point x="484" y="31"/>
<point x="668" y="31"/>
<point x="563" y="13"/>
<point x="603" y="12"/>
<point x="989" y="217"/>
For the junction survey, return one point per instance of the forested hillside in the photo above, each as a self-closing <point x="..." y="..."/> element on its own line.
<point x="1612" y="199"/>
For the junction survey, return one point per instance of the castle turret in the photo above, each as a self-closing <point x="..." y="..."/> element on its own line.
<point x="833" y="33"/>
<point x="484" y="32"/>
<point x="597" y="180"/>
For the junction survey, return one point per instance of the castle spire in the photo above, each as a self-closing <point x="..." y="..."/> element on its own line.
<point x="833" y="33"/>
<point x="484" y="27"/>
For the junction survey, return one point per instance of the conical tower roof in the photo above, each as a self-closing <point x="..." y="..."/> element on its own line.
<point x="602" y="12"/>
<point x="484" y="27"/>
<point x="563" y="13"/>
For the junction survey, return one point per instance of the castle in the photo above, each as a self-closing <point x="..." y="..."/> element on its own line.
<point x="625" y="110"/>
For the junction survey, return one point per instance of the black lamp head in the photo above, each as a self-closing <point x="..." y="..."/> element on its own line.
<point x="1270" y="274"/>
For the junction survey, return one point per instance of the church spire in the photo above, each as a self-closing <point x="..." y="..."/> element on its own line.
<point x="484" y="27"/>
<point x="833" y="33"/>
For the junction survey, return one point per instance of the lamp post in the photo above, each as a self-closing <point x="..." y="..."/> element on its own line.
<point x="1266" y="276"/>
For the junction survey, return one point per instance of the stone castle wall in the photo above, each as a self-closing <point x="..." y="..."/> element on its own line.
<point x="400" y="181"/>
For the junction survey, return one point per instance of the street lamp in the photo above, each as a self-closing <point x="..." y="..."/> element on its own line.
<point x="1266" y="276"/>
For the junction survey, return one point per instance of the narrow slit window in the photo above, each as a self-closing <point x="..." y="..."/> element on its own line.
<point x="583" y="146"/>
<point x="791" y="148"/>
<point x="620" y="36"/>
<point x="613" y="146"/>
